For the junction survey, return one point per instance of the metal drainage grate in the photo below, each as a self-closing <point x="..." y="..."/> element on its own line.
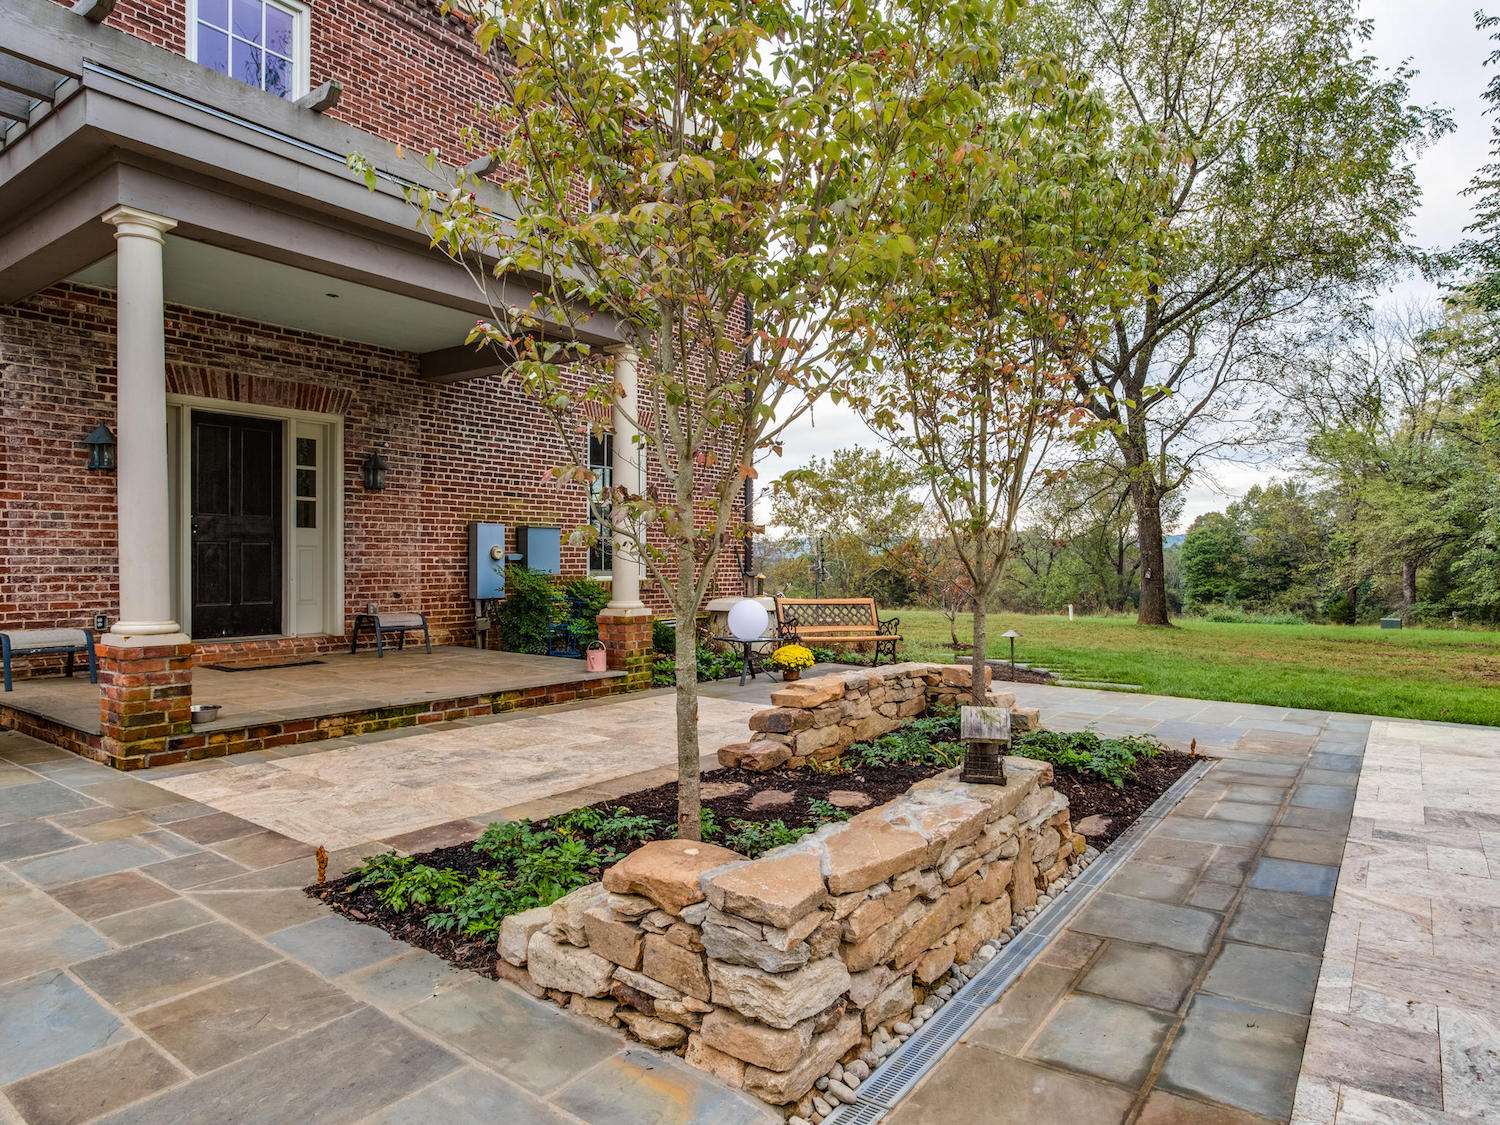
<point x="903" y="1069"/>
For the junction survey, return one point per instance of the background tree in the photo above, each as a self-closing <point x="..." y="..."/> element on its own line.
<point x="1037" y="233"/>
<point x="1213" y="560"/>
<point x="672" y="164"/>
<point x="857" y="514"/>
<point x="1291" y="168"/>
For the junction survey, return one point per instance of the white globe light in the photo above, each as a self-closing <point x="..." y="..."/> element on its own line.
<point x="748" y="620"/>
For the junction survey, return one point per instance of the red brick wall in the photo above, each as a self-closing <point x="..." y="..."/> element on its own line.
<point x="409" y="75"/>
<point x="477" y="450"/>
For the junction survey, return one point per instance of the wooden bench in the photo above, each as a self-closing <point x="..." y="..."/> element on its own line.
<point x="38" y="642"/>
<point x="836" y="621"/>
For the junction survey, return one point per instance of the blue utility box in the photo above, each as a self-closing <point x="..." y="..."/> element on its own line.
<point x="486" y="561"/>
<point x="540" y="548"/>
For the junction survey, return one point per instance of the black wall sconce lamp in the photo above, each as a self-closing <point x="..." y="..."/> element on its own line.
<point x="101" y="443"/>
<point x="374" y="468"/>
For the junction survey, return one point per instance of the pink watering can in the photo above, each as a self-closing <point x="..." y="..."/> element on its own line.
<point x="594" y="659"/>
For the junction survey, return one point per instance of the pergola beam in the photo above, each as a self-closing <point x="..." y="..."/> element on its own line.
<point x="324" y="98"/>
<point x="95" y="11"/>
<point x="15" y="107"/>
<point x="27" y="79"/>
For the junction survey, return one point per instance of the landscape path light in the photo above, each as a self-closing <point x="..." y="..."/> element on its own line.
<point x="1011" y="635"/>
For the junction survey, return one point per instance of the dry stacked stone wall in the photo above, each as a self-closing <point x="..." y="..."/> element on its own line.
<point x="814" y="959"/>
<point x="817" y="720"/>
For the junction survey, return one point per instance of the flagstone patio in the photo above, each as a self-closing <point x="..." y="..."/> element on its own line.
<point x="159" y="961"/>
<point x="453" y="779"/>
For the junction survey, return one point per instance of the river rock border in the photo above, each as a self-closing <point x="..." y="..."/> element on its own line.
<point x="792" y="975"/>
<point x="817" y="720"/>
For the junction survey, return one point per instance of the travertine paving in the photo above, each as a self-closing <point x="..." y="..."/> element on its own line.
<point x="1406" y="1026"/>
<point x="331" y="684"/>
<point x="361" y="790"/>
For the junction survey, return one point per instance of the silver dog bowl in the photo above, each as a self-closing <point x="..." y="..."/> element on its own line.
<point x="206" y="712"/>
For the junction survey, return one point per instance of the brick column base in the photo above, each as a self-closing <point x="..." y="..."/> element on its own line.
<point x="146" y="692"/>
<point x="627" y="646"/>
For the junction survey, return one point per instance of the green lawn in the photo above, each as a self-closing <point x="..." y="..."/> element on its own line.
<point x="1447" y="674"/>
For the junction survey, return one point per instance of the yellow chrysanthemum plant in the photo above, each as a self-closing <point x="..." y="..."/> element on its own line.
<point x="792" y="658"/>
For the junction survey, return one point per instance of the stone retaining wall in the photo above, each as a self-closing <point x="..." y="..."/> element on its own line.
<point x="817" y="720"/>
<point x="771" y="973"/>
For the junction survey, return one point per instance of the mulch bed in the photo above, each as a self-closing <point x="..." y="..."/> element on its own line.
<point x="1087" y="796"/>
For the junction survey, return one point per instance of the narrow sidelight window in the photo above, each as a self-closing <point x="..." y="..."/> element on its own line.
<point x="601" y="464"/>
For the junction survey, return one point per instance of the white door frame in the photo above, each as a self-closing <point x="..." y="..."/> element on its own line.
<point x="179" y="422"/>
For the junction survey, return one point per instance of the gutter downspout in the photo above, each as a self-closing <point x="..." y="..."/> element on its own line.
<point x="747" y="549"/>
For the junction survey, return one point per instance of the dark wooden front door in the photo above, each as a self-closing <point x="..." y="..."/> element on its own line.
<point x="236" y="526"/>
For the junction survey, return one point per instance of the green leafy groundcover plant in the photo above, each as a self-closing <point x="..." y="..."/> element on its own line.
<point x="531" y="865"/>
<point x="933" y="741"/>
<point x="1083" y="751"/>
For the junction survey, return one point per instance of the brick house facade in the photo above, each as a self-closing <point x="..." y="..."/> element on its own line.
<point x="186" y="258"/>
<point x="469" y="450"/>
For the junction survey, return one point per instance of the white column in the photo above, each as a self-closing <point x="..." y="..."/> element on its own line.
<point x="141" y="422"/>
<point x="625" y="569"/>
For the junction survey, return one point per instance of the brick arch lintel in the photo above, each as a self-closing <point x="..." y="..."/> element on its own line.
<point x="254" y="389"/>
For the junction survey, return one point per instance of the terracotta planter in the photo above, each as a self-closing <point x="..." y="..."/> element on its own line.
<point x="790" y="674"/>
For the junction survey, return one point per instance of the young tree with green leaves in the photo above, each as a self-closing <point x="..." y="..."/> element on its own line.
<point x="1033" y="236"/>
<point x="718" y="177"/>
<point x="1291" y="166"/>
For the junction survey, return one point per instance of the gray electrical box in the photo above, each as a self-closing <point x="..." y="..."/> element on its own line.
<point x="486" y="561"/>
<point x="540" y="548"/>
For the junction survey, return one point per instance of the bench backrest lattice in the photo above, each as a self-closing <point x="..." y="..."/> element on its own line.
<point x="828" y="617"/>
<point x="834" y="621"/>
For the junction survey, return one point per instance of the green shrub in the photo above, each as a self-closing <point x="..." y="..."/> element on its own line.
<point x="586" y="599"/>
<point x="712" y="665"/>
<point x="1112" y="759"/>
<point x="532" y="603"/>
<point x="1234" y="615"/>
<point x="928" y="741"/>
<point x="664" y="636"/>
<point x="479" y="908"/>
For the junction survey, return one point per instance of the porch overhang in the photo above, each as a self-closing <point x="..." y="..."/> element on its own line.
<point x="99" y="119"/>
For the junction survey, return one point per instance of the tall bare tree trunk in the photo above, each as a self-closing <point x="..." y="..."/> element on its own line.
<point x="689" y="818"/>
<point x="1408" y="584"/>
<point x="1147" y="499"/>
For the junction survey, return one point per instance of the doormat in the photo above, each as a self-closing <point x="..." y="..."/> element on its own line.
<point x="262" y="667"/>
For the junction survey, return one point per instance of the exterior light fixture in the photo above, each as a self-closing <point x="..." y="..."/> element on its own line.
<point x="985" y="733"/>
<point x="101" y="443"/>
<point x="373" y="470"/>
<point x="1011" y="635"/>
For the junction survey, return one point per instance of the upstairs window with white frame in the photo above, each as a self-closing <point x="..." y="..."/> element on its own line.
<point x="263" y="43"/>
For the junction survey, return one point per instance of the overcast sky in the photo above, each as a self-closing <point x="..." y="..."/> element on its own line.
<point x="1438" y="38"/>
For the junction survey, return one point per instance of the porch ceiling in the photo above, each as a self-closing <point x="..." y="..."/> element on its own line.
<point x="121" y="121"/>
<point x="203" y="276"/>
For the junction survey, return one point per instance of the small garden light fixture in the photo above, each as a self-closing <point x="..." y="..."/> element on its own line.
<point x="101" y="443"/>
<point x="1011" y="635"/>
<point x="373" y="470"/>
<point x="985" y="734"/>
